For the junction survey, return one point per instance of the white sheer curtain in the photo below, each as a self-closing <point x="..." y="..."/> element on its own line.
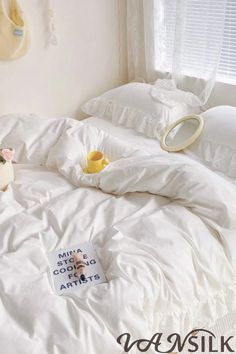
<point x="141" y="39"/>
<point x="179" y="41"/>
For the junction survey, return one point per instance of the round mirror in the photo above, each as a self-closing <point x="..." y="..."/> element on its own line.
<point x="182" y="133"/>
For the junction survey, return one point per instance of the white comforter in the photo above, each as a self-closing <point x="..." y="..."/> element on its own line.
<point x="169" y="254"/>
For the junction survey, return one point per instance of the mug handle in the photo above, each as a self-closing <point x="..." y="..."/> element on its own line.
<point x="105" y="162"/>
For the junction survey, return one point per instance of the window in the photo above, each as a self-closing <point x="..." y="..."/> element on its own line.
<point x="202" y="25"/>
<point x="227" y="67"/>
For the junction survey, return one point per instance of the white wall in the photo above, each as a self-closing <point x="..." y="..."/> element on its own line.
<point x="89" y="59"/>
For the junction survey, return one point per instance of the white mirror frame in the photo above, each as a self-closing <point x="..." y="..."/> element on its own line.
<point x="188" y="141"/>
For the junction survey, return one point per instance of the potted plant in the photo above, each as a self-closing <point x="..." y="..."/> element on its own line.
<point x="6" y="168"/>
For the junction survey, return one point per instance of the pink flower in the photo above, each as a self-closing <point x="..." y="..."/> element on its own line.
<point x="7" y="154"/>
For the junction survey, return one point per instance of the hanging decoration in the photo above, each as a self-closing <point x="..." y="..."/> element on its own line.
<point x="52" y="38"/>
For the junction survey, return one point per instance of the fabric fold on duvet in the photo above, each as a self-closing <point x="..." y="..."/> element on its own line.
<point x="163" y="227"/>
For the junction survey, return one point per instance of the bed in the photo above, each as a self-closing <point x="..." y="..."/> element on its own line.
<point x="163" y="227"/>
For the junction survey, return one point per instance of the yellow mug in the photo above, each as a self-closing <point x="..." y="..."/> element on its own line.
<point x="96" y="161"/>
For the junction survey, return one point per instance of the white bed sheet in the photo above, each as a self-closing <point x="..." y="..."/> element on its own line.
<point x="137" y="140"/>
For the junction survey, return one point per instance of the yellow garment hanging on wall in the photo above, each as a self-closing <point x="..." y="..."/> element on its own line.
<point x="14" y="36"/>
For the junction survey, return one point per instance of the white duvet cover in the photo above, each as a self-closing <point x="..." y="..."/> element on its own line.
<point x="164" y="228"/>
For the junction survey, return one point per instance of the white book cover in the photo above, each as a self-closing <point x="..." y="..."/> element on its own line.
<point x="63" y="270"/>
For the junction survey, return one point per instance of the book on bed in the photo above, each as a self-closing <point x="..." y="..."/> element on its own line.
<point x="64" y="275"/>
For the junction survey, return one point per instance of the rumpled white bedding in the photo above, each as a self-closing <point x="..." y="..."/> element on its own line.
<point x="164" y="228"/>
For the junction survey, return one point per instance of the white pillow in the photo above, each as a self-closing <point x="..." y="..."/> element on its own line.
<point x="131" y="105"/>
<point x="216" y="147"/>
